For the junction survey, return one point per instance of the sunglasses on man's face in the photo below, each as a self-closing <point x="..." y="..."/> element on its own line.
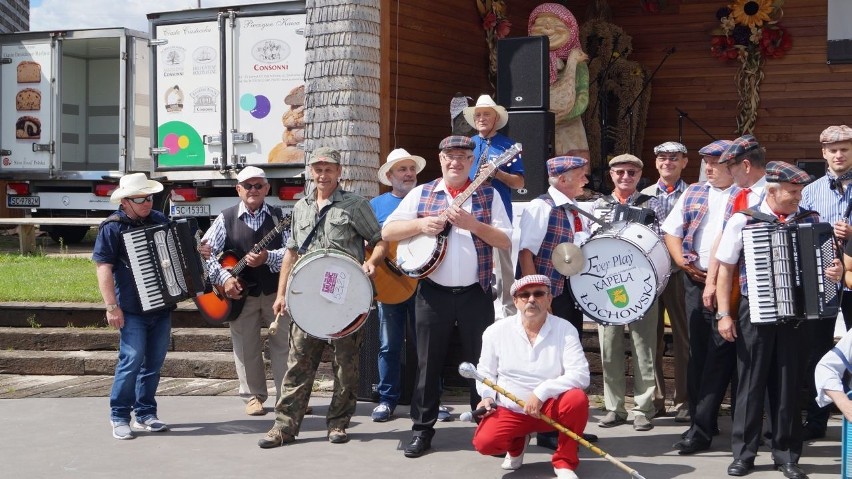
<point x="142" y="200"/>
<point x="630" y="173"/>
<point x="249" y="186"/>
<point x="527" y="294"/>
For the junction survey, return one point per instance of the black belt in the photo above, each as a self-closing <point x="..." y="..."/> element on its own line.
<point x="450" y="289"/>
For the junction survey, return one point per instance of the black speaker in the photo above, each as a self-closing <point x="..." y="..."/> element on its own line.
<point x="368" y="373"/>
<point x="523" y="73"/>
<point x="534" y="130"/>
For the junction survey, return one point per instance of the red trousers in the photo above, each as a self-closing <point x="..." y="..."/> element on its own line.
<point x="506" y="430"/>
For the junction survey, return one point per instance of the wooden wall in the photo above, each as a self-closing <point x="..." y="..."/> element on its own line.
<point x="442" y="50"/>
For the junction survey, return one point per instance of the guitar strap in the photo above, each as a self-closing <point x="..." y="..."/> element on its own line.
<point x="310" y="238"/>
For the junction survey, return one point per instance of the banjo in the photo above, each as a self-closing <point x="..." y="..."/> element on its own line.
<point x="419" y="255"/>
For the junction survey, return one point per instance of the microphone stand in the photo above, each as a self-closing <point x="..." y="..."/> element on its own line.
<point x="629" y="111"/>
<point x="602" y="102"/>
<point x="681" y="115"/>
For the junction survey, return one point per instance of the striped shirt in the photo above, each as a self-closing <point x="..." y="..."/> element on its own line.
<point x="215" y="236"/>
<point x="829" y="203"/>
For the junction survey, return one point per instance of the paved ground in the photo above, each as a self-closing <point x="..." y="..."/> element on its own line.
<point x="70" y="437"/>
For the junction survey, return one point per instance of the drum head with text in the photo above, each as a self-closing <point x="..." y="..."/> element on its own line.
<point x="327" y="292"/>
<point x="617" y="284"/>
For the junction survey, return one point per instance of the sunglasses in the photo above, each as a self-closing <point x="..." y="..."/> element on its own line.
<point x="630" y="173"/>
<point x="142" y="200"/>
<point x="249" y="186"/>
<point x="527" y="294"/>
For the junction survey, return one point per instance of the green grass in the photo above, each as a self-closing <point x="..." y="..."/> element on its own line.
<point x="48" y="279"/>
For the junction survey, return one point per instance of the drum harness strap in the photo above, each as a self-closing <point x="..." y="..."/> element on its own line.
<point x="846" y="374"/>
<point x="310" y="238"/>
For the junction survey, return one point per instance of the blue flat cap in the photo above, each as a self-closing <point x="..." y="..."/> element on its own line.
<point x="716" y="148"/>
<point x="560" y="164"/>
<point x="781" y="172"/>
<point x="738" y="148"/>
<point x="456" y="141"/>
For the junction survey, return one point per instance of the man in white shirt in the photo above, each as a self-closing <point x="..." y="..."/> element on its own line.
<point x="537" y="356"/>
<point x="690" y="230"/>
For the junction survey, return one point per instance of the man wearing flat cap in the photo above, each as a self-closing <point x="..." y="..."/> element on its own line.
<point x="769" y="361"/>
<point x="327" y="218"/>
<point x="625" y="171"/>
<point x="144" y="337"/>
<point x="458" y="290"/>
<point x="487" y="117"/>
<point x="829" y="196"/>
<point x="690" y="229"/>
<point x="236" y="230"/>
<point x="671" y="159"/>
<point x="400" y="173"/>
<point x="538" y="357"/>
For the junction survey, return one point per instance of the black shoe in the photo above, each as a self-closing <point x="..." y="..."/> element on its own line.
<point x="791" y="470"/>
<point x="590" y="437"/>
<point x="547" y="440"/>
<point x="691" y="446"/>
<point x="418" y="446"/>
<point x="740" y="468"/>
<point x="715" y="432"/>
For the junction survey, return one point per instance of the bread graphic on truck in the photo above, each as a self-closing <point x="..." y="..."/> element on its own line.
<point x="28" y="99"/>
<point x="293" y="119"/>
<point x="28" y="128"/>
<point x="29" y="72"/>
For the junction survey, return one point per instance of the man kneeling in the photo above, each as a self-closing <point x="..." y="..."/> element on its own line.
<point x="537" y="356"/>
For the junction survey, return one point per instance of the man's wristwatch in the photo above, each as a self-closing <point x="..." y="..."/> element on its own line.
<point x="722" y="315"/>
<point x="111" y="307"/>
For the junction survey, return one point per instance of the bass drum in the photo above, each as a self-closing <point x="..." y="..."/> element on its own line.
<point x="626" y="267"/>
<point x="328" y="294"/>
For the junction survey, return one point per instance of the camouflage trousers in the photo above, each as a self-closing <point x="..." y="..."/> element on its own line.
<point x="302" y="363"/>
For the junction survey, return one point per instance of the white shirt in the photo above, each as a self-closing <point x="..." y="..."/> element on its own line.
<point x="535" y="218"/>
<point x="459" y="267"/>
<point x="756" y="193"/>
<point x="554" y="364"/>
<point x="828" y="375"/>
<point x="731" y="244"/>
<point x="707" y="230"/>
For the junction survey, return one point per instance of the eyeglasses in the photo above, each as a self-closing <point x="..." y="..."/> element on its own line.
<point x="526" y="294"/>
<point x="142" y="200"/>
<point x="249" y="186"/>
<point x="630" y="173"/>
<point x="459" y="158"/>
<point x="672" y="159"/>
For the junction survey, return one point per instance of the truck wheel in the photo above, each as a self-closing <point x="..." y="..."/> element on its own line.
<point x="68" y="234"/>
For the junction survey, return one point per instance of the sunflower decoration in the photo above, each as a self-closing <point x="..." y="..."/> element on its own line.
<point x="749" y="31"/>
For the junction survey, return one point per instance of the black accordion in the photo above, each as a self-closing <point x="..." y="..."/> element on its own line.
<point x="785" y="268"/>
<point x="165" y="263"/>
<point x="634" y="214"/>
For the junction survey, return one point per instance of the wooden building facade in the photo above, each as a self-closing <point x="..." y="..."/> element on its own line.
<point x="434" y="49"/>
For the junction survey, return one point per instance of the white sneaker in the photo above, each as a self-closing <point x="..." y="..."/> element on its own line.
<point x="151" y="424"/>
<point x="565" y="474"/>
<point x="514" y="463"/>
<point x="121" y="430"/>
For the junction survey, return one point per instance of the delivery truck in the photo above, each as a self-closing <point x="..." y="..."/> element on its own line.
<point x="74" y="117"/>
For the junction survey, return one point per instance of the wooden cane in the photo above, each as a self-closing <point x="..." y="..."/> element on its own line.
<point x="469" y="371"/>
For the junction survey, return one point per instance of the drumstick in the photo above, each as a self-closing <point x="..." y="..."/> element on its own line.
<point x="273" y="328"/>
<point x="469" y="371"/>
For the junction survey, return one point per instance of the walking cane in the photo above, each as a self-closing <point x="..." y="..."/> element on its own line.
<point x="469" y="371"/>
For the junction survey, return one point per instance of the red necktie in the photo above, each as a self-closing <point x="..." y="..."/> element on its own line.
<point x="578" y="223"/>
<point x="781" y="217"/>
<point x="741" y="200"/>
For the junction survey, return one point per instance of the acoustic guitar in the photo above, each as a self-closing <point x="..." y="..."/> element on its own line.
<point x="391" y="284"/>
<point x="419" y="255"/>
<point x="215" y="307"/>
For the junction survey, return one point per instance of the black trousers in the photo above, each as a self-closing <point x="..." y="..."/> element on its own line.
<point x="566" y="308"/>
<point x="436" y="312"/>
<point x="712" y="363"/>
<point x="820" y="335"/>
<point x="769" y="365"/>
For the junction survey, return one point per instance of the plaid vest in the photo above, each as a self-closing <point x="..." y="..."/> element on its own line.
<point x="559" y="230"/>
<point x="433" y="203"/>
<point x="694" y="208"/>
<point x="813" y="217"/>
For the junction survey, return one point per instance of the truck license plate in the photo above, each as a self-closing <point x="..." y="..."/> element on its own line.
<point x="22" y="201"/>
<point x="190" y="210"/>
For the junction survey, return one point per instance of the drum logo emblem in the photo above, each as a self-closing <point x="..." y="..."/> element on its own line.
<point x="618" y="296"/>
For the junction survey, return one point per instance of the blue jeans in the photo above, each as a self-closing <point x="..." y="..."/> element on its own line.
<point x="143" y="343"/>
<point x="392" y="321"/>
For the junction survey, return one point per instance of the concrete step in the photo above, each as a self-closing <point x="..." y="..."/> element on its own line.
<point x="106" y="339"/>
<point x="83" y="315"/>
